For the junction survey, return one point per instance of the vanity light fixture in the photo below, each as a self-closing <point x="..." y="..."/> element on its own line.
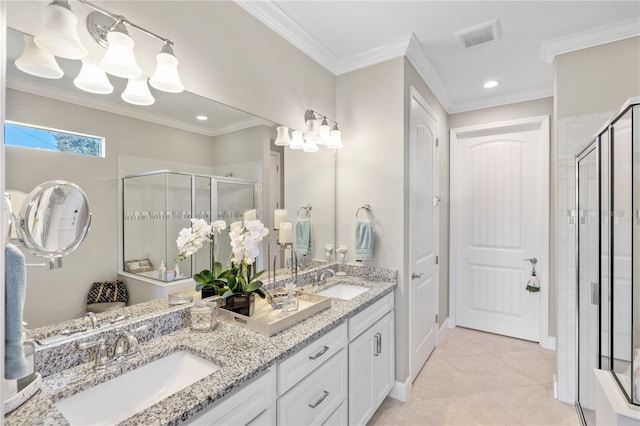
<point x="60" y="33"/>
<point x="137" y="92"/>
<point x="490" y="84"/>
<point x="38" y="62"/>
<point x="59" y="37"/>
<point x="316" y="133"/>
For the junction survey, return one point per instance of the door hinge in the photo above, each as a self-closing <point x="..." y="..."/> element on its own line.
<point x="437" y="142"/>
<point x="437" y="260"/>
<point x="437" y="319"/>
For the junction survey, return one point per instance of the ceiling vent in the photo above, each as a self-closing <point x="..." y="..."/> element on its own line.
<point x="480" y="34"/>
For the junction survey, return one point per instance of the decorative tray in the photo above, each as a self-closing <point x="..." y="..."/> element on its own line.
<point x="268" y="321"/>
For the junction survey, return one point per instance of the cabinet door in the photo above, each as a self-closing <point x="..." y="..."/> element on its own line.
<point x="371" y="369"/>
<point x="384" y="361"/>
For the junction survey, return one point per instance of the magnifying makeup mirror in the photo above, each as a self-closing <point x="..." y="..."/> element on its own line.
<point x="54" y="220"/>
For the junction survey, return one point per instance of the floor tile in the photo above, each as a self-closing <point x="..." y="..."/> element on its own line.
<point x="478" y="378"/>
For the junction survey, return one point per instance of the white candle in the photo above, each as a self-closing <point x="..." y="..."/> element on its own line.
<point x="286" y="233"/>
<point x="279" y="216"/>
<point x="250" y="214"/>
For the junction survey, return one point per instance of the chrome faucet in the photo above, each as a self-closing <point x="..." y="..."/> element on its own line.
<point x="93" y="320"/>
<point x="126" y="346"/>
<point x="321" y="276"/>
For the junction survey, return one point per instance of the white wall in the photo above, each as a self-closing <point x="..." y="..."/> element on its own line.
<point x="590" y="85"/>
<point x="370" y="170"/>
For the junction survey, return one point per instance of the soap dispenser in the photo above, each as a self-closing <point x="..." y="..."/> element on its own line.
<point x="163" y="271"/>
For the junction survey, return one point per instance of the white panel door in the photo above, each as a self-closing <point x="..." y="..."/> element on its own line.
<point x="500" y="214"/>
<point x="423" y="223"/>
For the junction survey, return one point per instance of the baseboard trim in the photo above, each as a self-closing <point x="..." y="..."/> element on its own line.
<point x="400" y="390"/>
<point x="443" y="332"/>
<point x="549" y="342"/>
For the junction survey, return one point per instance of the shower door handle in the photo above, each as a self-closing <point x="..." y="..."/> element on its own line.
<point x="595" y="293"/>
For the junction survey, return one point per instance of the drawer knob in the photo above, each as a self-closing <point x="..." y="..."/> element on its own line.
<point x="325" y="394"/>
<point x="319" y="353"/>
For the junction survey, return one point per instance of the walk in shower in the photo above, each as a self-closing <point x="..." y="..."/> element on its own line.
<point x="608" y="260"/>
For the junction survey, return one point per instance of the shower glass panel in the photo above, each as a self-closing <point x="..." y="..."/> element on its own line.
<point x="621" y="262"/>
<point x="588" y="291"/>
<point x="157" y="205"/>
<point x="605" y="223"/>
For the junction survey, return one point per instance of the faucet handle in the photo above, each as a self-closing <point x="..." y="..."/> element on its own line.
<point x="102" y="354"/>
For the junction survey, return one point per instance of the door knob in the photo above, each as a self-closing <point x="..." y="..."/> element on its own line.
<point x="415" y="276"/>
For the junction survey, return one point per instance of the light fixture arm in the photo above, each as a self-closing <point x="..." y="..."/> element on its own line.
<point x="123" y="20"/>
<point x="313" y="115"/>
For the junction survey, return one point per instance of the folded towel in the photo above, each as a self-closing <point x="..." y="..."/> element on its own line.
<point x="15" y="277"/>
<point x="364" y="240"/>
<point x="304" y="240"/>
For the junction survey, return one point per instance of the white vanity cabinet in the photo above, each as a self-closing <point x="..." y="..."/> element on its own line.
<point x="371" y="359"/>
<point x="312" y="384"/>
<point x="252" y="404"/>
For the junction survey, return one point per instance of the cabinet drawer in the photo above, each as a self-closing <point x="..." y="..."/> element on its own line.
<point x="340" y="417"/>
<point x="314" y="399"/>
<point x="366" y="318"/>
<point x="251" y="404"/>
<point x="295" y="368"/>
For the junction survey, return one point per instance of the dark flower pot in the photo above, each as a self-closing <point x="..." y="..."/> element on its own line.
<point x="208" y="292"/>
<point x="243" y="304"/>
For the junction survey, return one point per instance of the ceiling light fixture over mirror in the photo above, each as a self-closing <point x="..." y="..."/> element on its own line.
<point x="60" y="38"/>
<point x="316" y="133"/>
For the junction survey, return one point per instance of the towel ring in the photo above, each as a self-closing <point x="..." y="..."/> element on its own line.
<point x="368" y="209"/>
<point x="306" y="208"/>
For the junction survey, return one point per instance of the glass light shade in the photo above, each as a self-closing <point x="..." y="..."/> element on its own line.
<point x="283" y="138"/>
<point x="119" y="59"/>
<point x="311" y="131"/>
<point x="92" y="78"/>
<point x="166" y="76"/>
<point x="324" y="133"/>
<point x="336" y="140"/>
<point x="38" y="62"/>
<point x="310" y="146"/>
<point x="297" y="142"/>
<point x="137" y="92"/>
<point x="60" y="34"/>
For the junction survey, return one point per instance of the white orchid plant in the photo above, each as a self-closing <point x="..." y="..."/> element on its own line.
<point x="239" y="277"/>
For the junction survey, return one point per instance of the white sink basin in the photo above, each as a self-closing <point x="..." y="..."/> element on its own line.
<point x="343" y="291"/>
<point x="123" y="396"/>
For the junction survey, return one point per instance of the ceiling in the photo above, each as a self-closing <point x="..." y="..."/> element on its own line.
<point x="346" y="35"/>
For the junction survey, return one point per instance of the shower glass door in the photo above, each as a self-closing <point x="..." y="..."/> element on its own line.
<point x="588" y="280"/>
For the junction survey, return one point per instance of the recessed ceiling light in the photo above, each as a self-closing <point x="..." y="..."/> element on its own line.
<point x="491" y="83"/>
<point x="202" y="117"/>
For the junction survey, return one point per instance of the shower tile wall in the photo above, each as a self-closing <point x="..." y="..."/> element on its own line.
<point x="573" y="134"/>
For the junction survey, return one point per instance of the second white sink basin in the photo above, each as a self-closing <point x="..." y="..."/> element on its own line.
<point x="343" y="291"/>
<point x="123" y="396"/>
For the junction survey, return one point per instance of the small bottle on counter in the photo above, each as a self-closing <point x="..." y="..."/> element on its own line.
<point x="162" y="270"/>
<point x="176" y="268"/>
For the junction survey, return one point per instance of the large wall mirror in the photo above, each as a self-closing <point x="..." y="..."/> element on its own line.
<point x="164" y="136"/>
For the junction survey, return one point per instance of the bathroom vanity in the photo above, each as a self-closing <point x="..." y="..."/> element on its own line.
<point x="335" y="367"/>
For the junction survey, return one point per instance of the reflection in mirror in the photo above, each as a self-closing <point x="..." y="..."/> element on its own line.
<point x="164" y="136"/>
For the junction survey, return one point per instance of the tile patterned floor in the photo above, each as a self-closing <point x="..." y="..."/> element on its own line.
<point x="476" y="378"/>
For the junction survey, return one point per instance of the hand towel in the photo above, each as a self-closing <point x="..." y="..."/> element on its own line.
<point x="364" y="240"/>
<point x="15" y="276"/>
<point x="304" y="240"/>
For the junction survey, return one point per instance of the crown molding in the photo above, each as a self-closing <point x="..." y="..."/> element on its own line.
<point x="506" y="99"/>
<point x="594" y="37"/>
<point x="273" y="17"/>
<point x="88" y="101"/>
<point x="419" y="60"/>
<point x="391" y="50"/>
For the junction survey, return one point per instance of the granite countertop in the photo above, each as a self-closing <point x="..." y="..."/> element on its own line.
<point x="242" y="355"/>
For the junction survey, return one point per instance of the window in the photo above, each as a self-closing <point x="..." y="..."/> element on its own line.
<point x="25" y="135"/>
